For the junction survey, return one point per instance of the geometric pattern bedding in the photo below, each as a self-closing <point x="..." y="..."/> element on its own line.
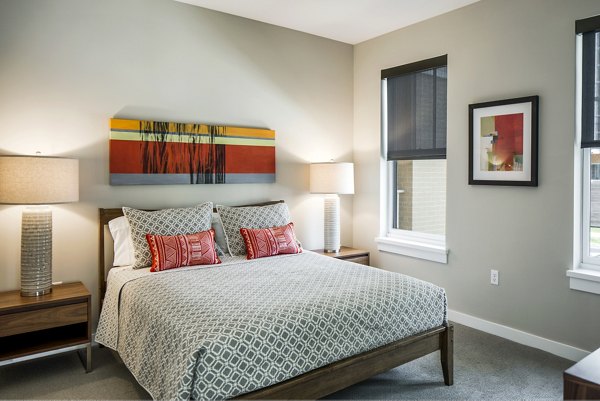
<point x="215" y="332"/>
<point x="164" y="222"/>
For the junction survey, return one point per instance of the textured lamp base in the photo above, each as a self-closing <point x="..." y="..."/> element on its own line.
<point x="332" y="223"/>
<point x="36" y="251"/>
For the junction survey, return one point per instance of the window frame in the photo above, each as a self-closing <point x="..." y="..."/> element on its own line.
<point x="583" y="276"/>
<point x="587" y="261"/>
<point x="415" y="244"/>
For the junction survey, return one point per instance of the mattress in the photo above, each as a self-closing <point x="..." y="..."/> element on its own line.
<point x="215" y="332"/>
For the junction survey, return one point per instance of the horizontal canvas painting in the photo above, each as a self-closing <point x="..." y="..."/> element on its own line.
<point x="155" y="153"/>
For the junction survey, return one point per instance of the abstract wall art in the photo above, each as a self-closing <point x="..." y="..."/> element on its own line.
<point x="157" y="153"/>
<point x="503" y="142"/>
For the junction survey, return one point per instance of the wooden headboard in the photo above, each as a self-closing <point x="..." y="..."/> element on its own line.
<point x="107" y="215"/>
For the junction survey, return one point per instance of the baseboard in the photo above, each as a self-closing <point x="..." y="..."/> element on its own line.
<point x="518" y="336"/>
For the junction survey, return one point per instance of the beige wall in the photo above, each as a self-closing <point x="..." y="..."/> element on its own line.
<point x="68" y="66"/>
<point x="496" y="49"/>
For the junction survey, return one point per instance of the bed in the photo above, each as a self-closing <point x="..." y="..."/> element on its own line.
<point x="287" y="327"/>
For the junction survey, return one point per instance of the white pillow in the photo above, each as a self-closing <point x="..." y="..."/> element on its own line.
<point x="219" y="233"/>
<point x="121" y="234"/>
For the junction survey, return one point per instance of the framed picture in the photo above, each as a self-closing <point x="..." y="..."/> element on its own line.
<point x="503" y="142"/>
<point x="144" y="152"/>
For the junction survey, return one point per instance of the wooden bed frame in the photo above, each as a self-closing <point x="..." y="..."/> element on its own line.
<point x="341" y="374"/>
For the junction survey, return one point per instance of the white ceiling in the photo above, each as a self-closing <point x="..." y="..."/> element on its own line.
<point x="349" y="21"/>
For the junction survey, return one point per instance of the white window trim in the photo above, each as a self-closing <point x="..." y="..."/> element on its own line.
<point x="404" y="242"/>
<point x="582" y="277"/>
<point x="415" y="249"/>
<point x="586" y="260"/>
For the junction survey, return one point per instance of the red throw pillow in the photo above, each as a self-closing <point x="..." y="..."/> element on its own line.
<point x="171" y="251"/>
<point x="263" y="242"/>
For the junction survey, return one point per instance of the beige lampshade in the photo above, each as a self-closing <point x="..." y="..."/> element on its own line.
<point x="332" y="178"/>
<point x="38" y="180"/>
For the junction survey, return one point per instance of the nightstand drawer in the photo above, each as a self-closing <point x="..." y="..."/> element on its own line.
<point x="363" y="260"/>
<point x="348" y="254"/>
<point x="41" y="319"/>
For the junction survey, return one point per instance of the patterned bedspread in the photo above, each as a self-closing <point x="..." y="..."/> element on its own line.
<point x="221" y="331"/>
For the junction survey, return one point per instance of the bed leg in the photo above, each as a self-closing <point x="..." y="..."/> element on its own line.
<point x="447" y="354"/>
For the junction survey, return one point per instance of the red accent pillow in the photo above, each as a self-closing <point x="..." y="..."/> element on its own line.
<point x="263" y="242"/>
<point x="172" y="251"/>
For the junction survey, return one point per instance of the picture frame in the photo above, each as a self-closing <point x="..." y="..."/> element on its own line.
<point x="147" y="152"/>
<point x="503" y="142"/>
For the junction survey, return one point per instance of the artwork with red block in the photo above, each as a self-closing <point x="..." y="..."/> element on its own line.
<point x="157" y="152"/>
<point x="502" y="143"/>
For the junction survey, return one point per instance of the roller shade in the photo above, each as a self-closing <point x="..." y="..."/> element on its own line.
<point x="415" y="113"/>
<point x="590" y="81"/>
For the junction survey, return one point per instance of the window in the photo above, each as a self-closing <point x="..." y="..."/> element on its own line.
<point x="413" y="111"/>
<point x="585" y="275"/>
<point x="591" y="209"/>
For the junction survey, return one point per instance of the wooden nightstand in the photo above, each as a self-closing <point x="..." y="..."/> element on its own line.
<point x="348" y="254"/>
<point x="32" y="327"/>
<point x="582" y="380"/>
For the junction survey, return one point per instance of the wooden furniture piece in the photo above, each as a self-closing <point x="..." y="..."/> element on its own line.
<point x="32" y="327"/>
<point x="348" y="254"/>
<point x="341" y="374"/>
<point x="582" y="380"/>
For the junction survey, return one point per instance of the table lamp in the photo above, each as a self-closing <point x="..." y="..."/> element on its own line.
<point x="332" y="179"/>
<point x="37" y="180"/>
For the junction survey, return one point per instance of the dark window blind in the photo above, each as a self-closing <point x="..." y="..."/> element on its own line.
<point x="590" y="81"/>
<point x="416" y="110"/>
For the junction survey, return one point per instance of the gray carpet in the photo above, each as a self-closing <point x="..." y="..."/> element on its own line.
<point x="485" y="367"/>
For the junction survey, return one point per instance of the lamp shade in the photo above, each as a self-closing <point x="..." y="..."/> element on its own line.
<point x="38" y="180"/>
<point x="332" y="178"/>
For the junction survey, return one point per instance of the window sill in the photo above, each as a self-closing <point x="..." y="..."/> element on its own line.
<point x="420" y="250"/>
<point x="583" y="279"/>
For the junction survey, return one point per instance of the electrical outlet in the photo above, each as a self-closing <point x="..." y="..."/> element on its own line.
<point x="494" y="277"/>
